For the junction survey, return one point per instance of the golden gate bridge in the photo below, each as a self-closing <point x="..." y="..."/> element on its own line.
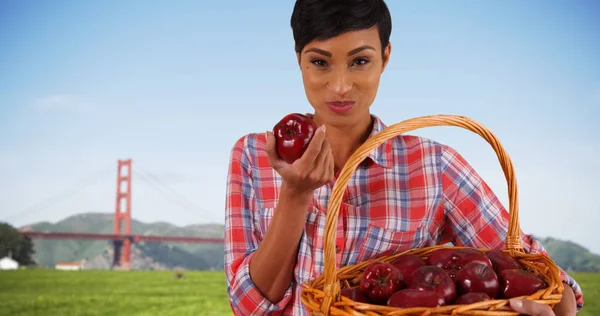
<point x="122" y="237"/>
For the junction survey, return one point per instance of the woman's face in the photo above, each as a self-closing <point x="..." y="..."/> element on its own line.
<point x="341" y="76"/>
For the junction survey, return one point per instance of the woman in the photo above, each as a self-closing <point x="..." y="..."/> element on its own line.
<point x="411" y="192"/>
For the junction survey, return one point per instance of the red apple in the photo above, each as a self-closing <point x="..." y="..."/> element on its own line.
<point x="379" y="281"/>
<point x="519" y="282"/>
<point x="471" y="298"/>
<point x="407" y="264"/>
<point x="477" y="277"/>
<point x="408" y="298"/>
<point x="354" y="294"/>
<point x="439" y="257"/>
<point x="502" y="261"/>
<point x="466" y="255"/>
<point x="452" y="260"/>
<point x="432" y="278"/>
<point x="292" y="135"/>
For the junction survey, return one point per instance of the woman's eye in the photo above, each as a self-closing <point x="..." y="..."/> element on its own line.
<point x="361" y="61"/>
<point x="319" y="62"/>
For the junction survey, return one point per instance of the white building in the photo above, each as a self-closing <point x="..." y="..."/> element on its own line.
<point x="8" y="263"/>
<point x="69" y="266"/>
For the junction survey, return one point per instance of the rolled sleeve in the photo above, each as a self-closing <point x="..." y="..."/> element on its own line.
<point x="242" y="238"/>
<point x="246" y="299"/>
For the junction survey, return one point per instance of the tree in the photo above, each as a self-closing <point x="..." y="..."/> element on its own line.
<point x="19" y="246"/>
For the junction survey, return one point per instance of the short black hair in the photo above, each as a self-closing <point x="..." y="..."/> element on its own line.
<point x="324" y="19"/>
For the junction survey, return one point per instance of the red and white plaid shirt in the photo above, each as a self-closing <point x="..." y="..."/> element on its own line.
<point x="410" y="192"/>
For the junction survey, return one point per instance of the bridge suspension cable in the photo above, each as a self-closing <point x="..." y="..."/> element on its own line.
<point x="156" y="184"/>
<point x="60" y="196"/>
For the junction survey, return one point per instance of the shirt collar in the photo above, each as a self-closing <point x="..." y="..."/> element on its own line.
<point x="382" y="155"/>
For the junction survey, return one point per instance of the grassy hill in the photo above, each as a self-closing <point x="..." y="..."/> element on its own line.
<point x="571" y="256"/>
<point x="98" y="254"/>
<point x="144" y="255"/>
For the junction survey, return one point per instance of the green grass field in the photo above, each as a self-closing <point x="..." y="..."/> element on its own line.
<point x="137" y="293"/>
<point x="126" y="293"/>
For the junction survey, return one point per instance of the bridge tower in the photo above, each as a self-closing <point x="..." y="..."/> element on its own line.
<point x="122" y="247"/>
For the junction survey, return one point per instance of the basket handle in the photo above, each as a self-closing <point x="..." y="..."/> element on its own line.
<point x="513" y="242"/>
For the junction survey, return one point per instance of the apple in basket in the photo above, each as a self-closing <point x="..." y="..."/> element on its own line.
<point x="354" y="294"/>
<point x="476" y="277"/>
<point x="442" y="258"/>
<point x="379" y="281"/>
<point x="471" y="298"/>
<point x="407" y="264"/>
<point x="433" y="278"/>
<point x="293" y="133"/>
<point x="518" y="282"/>
<point x="452" y="260"/>
<point x="408" y="298"/>
<point x="502" y="261"/>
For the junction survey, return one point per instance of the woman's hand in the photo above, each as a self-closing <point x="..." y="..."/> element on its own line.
<point x="314" y="169"/>
<point x="531" y="308"/>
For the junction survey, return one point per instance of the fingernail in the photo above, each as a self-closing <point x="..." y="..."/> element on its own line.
<point x="323" y="128"/>
<point x="516" y="303"/>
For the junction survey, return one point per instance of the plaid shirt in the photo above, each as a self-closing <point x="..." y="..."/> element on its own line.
<point x="410" y="192"/>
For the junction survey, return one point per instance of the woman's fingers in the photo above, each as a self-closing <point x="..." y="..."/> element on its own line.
<point x="276" y="162"/>
<point x="311" y="153"/>
<point x="312" y="170"/>
<point x="322" y="172"/>
<point x="320" y="160"/>
<point x="329" y="166"/>
<point x="531" y="308"/>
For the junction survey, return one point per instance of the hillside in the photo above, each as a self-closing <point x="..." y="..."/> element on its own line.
<point x="98" y="254"/>
<point x="160" y="256"/>
<point x="571" y="256"/>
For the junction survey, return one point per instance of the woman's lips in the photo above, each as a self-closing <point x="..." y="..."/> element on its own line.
<point x="340" y="106"/>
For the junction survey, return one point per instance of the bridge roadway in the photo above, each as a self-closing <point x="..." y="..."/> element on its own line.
<point x="134" y="238"/>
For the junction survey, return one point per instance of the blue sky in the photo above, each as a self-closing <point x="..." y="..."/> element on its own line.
<point x="174" y="84"/>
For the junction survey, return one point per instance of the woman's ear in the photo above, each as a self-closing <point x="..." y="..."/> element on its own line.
<point x="386" y="56"/>
<point x="298" y="57"/>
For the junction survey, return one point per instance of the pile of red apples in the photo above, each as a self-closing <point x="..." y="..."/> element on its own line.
<point x="448" y="276"/>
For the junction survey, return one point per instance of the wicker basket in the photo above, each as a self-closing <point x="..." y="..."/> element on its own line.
<point x="322" y="296"/>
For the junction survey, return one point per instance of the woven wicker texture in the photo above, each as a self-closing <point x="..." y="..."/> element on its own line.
<point x="322" y="295"/>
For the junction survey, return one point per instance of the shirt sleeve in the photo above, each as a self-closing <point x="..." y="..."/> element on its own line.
<point x="476" y="218"/>
<point x="242" y="239"/>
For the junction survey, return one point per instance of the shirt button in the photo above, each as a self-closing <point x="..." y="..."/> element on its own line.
<point x="337" y="249"/>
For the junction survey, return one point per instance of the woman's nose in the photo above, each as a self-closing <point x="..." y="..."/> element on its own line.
<point x="340" y="81"/>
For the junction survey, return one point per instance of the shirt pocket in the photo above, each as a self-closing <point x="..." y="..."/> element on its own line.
<point x="377" y="242"/>
<point x="307" y="263"/>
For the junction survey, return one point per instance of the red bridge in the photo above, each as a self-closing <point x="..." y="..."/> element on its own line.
<point x="122" y="237"/>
